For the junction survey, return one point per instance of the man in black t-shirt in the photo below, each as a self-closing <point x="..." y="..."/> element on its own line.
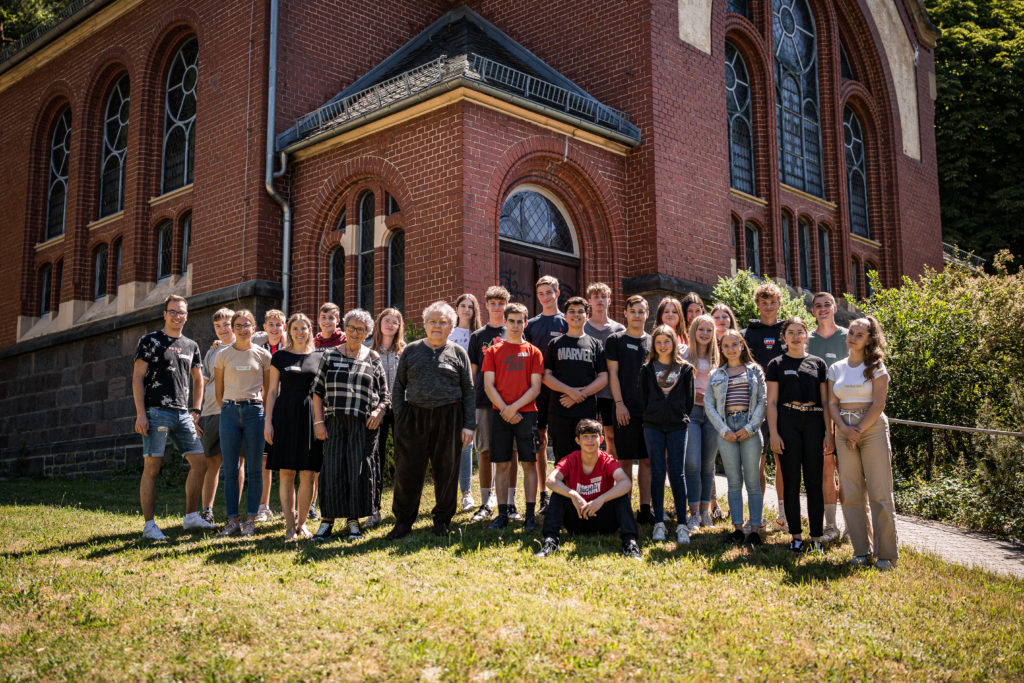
<point x="164" y="362"/>
<point x="574" y="370"/>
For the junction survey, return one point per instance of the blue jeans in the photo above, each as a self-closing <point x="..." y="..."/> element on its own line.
<point x="701" y="446"/>
<point x="240" y="424"/>
<point x="466" y="469"/>
<point x="742" y="461"/>
<point x="666" y="448"/>
<point x="173" y="424"/>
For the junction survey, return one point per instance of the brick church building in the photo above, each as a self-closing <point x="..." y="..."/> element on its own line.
<point x="281" y="154"/>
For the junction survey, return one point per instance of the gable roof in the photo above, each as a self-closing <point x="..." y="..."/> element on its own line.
<point x="460" y="48"/>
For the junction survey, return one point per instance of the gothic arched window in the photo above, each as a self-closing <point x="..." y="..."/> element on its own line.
<point x="366" y="233"/>
<point x="856" y="174"/>
<point x="57" y="186"/>
<point x="396" y="270"/>
<point x="115" y="142"/>
<point x="796" y="95"/>
<point x="99" y="272"/>
<point x="180" y="117"/>
<point x="336" y="288"/>
<point x="531" y="218"/>
<point x="741" y="137"/>
<point x="164" y="235"/>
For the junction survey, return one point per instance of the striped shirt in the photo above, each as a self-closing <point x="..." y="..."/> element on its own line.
<point x="737" y="392"/>
<point x="351" y="386"/>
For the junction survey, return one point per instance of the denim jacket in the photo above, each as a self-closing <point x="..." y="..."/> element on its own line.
<point x="718" y="383"/>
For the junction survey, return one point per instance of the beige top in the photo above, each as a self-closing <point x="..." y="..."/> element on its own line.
<point x="243" y="371"/>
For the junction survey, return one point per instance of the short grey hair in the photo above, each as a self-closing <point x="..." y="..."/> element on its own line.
<point x="442" y="307"/>
<point x="361" y="316"/>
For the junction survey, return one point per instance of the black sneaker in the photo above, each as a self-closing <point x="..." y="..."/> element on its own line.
<point x="398" y="531"/>
<point x="513" y="514"/>
<point x="754" y="539"/>
<point x="631" y="550"/>
<point x="324" y="532"/>
<point x="500" y="522"/>
<point x="549" y="548"/>
<point x="735" y="537"/>
<point x="313" y="514"/>
<point x="441" y="529"/>
<point x="645" y="517"/>
<point x="797" y="545"/>
<point x="207" y="514"/>
<point x="483" y="513"/>
<point x="530" y="524"/>
<point x="545" y="499"/>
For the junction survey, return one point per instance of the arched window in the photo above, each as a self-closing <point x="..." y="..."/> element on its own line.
<point x="845" y="69"/>
<point x="340" y="225"/>
<point x="531" y="218"/>
<point x="785" y="247"/>
<point x="336" y="291"/>
<point x="57" y="187"/>
<point x="751" y="243"/>
<point x="99" y="272"/>
<point x="868" y="269"/>
<point x="164" y="246"/>
<point x="738" y="7"/>
<point x="805" y="244"/>
<point x="855" y="276"/>
<point x="796" y="95"/>
<point x="115" y="142"/>
<point x="824" y="264"/>
<point x="45" y="288"/>
<point x="391" y="204"/>
<point x="117" y="263"/>
<point x="186" y="240"/>
<point x="396" y="270"/>
<point x="856" y="176"/>
<point x="180" y="117"/>
<point x="366" y="232"/>
<point x="741" y="137"/>
<point x="58" y="284"/>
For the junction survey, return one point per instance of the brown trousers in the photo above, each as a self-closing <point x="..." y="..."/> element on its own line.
<point x="865" y="474"/>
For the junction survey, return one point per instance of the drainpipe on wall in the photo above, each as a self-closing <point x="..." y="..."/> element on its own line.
<point x="271" y="174"/>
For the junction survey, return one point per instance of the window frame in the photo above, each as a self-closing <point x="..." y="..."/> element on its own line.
<point x="164" y="251"/>
<point x="396" y="301"/>
<point x="100" y="257"/>
<point x="824" y="258"/>
<point x="752" y="247"/>
<point x="57" y="172"/>
<point x="174" y="121"/>
<point x="367" y="209"/>
<point x="117" y="149"/>
<point x="45" y="289"/>
<point x="739" y="114"/>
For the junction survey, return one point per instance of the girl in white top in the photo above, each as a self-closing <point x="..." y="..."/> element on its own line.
<point x="467" y="308"/>
<point x="858" y="388"/>
<point x="701" y="437"/>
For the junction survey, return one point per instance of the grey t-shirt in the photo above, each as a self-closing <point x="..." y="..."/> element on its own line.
<point x="602" y="335"/>
<point x="829" y="349"/>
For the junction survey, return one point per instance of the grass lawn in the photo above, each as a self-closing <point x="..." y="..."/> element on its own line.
<point x="83" y="596"/>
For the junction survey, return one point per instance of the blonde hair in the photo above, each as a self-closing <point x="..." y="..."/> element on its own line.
<point x="298" y="317"/>
<point x="598" y="289"/>
<point x="547" y="280"/>
<point x="711" y="348"/>
<point x="275" y="314"/>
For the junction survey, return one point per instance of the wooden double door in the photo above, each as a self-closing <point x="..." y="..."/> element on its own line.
<point x="520" y="266"/>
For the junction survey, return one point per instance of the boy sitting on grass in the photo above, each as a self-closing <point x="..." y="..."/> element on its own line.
<point x="590" y="494"/>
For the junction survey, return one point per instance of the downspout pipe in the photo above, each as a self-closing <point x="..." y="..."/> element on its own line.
<point x="271" y="174"/>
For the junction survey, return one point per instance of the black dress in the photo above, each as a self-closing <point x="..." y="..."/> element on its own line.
<point x="295" y="446"/>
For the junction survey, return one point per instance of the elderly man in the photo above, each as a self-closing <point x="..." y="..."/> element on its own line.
<point x="435" y="416"/>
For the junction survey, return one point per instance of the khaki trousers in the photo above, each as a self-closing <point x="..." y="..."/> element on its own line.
<point x="865" y="474"/>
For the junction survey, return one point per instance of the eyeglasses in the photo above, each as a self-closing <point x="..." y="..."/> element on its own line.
<point x="349" y="329"/>
<point x="176" y="314"/>
<point x="242" y="326"/>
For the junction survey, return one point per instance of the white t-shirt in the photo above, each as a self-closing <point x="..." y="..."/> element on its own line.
<point x="460" y="336"/>
<point x="850" y="384"/>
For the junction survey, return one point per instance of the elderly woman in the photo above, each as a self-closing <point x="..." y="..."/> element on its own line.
<point x="350" y="398"/>
<point x="435" y="415"/>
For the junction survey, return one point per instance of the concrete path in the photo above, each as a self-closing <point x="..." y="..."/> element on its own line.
<point x="950" y="543"/>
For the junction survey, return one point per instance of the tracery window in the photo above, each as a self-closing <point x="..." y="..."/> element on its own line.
<point x="57" y="187"/>
<point x="164" y="234"/>
<point x="336" y="287"/>
<point x="180" y="117"/>
<point x="186" y="240"/>
<point x="751" y="244"/>
<point x="738" y="7"/>
<point x="45" y="288"/>
<point x="366" y="234"/>
<point x="824" y="265"/>
<point x="741" y="138"/>
<point x="531" y="218"/>
<point x="115" y="142"/>
<point x="796" y="95"/>
<point x="785" y="246"/>
<point x="856" y="174"/>
<point x="805" y="244"/>
<point x="99" y="272"/>
<point x="396" y="270"/>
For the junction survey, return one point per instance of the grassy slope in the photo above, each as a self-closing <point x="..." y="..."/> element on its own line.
<point x="83" y="596"/>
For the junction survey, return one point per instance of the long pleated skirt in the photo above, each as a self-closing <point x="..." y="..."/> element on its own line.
<point x="348" y="474"/>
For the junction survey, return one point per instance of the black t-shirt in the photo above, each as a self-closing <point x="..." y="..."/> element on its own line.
<point x="542" y="329"/>
<point x="765" y="341"/>
<point x="576" y="361"/>
<point x="799" y="379"/>
<point x="169" y="363"/>
<point x="479" y="342"/>
<point x="631" y="354"/>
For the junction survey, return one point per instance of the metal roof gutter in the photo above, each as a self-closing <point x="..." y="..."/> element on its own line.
<point x="270" y="173"/>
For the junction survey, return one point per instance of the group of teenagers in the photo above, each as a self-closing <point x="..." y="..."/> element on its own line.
<point x="317" y="405"/>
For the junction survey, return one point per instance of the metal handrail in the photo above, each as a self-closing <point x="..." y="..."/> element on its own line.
<point x="37" y="32"/>
<point x="955" y="428"/>
<point x="954" y="254"/>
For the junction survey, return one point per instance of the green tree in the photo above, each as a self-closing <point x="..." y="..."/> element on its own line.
<point x="738" y="292"/>
<point x="979" y="65"/>
<point x="18" y="17"/>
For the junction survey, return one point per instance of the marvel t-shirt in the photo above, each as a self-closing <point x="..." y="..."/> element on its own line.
<point x="575" y="361"/>
<point x="169" y="362"/>
<point x="592" y="485"/>
<point x="513" y="366"/>
<point x="479" y="342"/>
<point x="799" y="379"/>
<point x="630" y="353"/>
<point x="541" y="330"/>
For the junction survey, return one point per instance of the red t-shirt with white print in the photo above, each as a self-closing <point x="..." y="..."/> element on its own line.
<point x="589" y="486"/>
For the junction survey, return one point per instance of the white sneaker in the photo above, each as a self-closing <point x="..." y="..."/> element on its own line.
<point x="467" y="501"/>
<point x="682" y="534"/>
<point x="194" y="521"/>
<point x="830" y="534"/>
<point x="372" y="521"/>
<point x="152" y="532"/>
<point x="693" y="522"/>
<point x="705" y="518"/>
<point x="659" y="532"/>
<point x="493" y="502"/>
<point x="264" y="514"/>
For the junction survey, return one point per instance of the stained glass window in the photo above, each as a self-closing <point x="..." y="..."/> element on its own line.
<point x="366" y="234"/>
<point x="180" y="117"/>
<point x="115" y="142"/>
<point x="741" y="138"/>
<point x="57" y="189"/>
<point x="532" y="218"/>
<point x="856" y="174"/>
<point x="796" y="95"/>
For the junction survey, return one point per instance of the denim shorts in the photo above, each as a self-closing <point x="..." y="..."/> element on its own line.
<point x="170" y="423"/>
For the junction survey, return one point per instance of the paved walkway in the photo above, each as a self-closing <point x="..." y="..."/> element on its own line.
<point x="950" y="543"/>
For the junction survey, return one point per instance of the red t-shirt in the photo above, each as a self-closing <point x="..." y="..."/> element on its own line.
<point x="592" y="485"/>
<point x="513" y="365"/>
<point x="336" y="339"/>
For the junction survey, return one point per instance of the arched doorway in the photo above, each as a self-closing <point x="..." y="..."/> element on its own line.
<point x="536" y="238"/>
